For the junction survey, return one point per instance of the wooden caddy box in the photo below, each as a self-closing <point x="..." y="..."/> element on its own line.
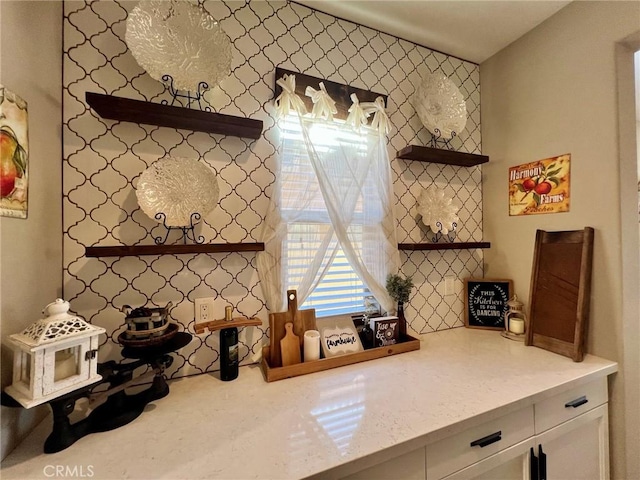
<point x="271" y="374"/>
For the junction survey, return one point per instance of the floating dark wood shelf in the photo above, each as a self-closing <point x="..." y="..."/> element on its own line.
<point x="443" y="246"/>
<point x="222" y="324"/>
<point x="438" y="155"/>
<point x="137" y="111"/>
<point x="135" y="250"/>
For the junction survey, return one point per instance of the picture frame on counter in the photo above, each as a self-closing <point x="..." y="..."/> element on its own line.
<point x="485" y="302"/>
<point x="386" y="331"/>
<point x="338" y="336"/>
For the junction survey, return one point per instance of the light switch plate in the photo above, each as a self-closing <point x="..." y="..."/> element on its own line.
<point x="449" y="285"/>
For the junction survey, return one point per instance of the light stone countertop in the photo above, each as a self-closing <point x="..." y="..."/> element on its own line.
<point x="298" y="427"/>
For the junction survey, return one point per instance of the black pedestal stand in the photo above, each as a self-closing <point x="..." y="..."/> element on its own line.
<point x="116" y="407"/>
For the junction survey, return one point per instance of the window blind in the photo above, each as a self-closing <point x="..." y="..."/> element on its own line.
<point x="340" y="290"/>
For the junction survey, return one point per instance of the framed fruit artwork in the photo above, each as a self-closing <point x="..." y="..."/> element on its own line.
<point x="540" y="187"/>
<point x="14" y="155"/>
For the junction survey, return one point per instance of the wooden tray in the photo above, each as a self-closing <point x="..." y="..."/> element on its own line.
<point x="408" y="344"/>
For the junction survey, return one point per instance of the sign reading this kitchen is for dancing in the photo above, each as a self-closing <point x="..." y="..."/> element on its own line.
<point x="485" y="302"/>
<point x="540" y="187"/>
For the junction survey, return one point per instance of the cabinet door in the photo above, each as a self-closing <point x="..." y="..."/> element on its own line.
<point x="410" y="466"/>
<point x="477" y="443"/>
<point x="577" y="449"/>
<point x="509" y="464"/>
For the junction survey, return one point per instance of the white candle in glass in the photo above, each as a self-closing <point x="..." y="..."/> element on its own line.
<point x="516" y="325"/>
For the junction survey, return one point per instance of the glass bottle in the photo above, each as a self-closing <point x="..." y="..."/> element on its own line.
<point x="228" y="354"/>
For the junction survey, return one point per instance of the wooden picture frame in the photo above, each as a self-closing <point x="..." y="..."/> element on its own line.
<point x="485" y="302"/>
<point x="14" y="132"/>
<point x="561" y="292"/>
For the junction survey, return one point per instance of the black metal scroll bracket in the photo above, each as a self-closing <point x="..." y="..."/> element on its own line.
<point x="191" y="98"/>
<point x="188" y="232"/>
<point x="437" y="139"/>
<point x="448" y="238"/>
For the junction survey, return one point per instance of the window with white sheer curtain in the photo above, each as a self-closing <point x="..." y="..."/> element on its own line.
<point x="340" y="290"/>
<point x="329" y="232"/>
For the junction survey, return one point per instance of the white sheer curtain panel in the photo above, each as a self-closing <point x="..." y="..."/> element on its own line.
<point x="338" y="194"/>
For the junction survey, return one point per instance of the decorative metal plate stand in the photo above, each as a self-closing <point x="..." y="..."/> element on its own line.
<point x="188" y="232"/>
<point x="437" y="140"/>
<point x="439" y="237"/>
<point x="191" y="98"/>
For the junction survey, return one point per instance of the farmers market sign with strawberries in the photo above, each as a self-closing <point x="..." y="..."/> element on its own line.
<point x="540" y="187"/>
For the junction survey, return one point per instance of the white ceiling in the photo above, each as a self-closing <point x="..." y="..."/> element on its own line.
<point x="473" y="30"/>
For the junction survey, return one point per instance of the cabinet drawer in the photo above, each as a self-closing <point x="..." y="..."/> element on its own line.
<point x="472" y="445"/>
<point x="567" y="405"/>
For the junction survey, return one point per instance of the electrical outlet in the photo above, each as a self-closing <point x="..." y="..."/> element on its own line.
<point x="204" y="309"/>
<point x="449" y="285"/>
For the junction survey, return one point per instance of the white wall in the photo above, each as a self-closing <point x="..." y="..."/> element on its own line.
<point x="629" y="165"/>
<point x="31" y="249"/>
<point x="554" y="91"/>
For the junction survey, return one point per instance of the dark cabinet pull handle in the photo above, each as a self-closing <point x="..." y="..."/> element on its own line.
<point x="577" y="402"/>
<point x="488" y="440"/>
<point x="533" y="466"/>
<point x="543" y="463"/>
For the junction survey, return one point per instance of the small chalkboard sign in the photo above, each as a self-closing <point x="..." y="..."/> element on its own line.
<point x="485" y="302"/>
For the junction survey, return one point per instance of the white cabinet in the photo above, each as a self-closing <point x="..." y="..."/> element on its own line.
<point x="572" y="429"/>
<point x="577" y="449"/>
<point x="562" y="437"/>
<point x="477" y="443"/>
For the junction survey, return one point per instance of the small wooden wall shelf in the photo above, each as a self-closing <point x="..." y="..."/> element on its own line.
<point x="438" y="155"/>
<point x="443" y="246"/>
<point x="222" y="324"/>
<point x="272" y="374"/>
<point x="136" y="250"/>
<point x="137" y="111"/>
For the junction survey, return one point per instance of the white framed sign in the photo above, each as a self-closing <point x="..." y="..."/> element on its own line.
<point x="338" y="336"/>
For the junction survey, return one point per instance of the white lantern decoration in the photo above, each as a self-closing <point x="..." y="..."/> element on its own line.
<point x="53" y="356"/>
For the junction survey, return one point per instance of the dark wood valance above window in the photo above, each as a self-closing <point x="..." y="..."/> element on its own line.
<point x="340" y="93"/>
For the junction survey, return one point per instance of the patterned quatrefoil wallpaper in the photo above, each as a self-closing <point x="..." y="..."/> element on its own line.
<point x="103" y="160"/>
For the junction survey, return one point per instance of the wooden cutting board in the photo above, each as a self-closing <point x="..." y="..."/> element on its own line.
<point x="302" y="320"/>
<point x="290" y="347"/>
<point x="276" y="326"/>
